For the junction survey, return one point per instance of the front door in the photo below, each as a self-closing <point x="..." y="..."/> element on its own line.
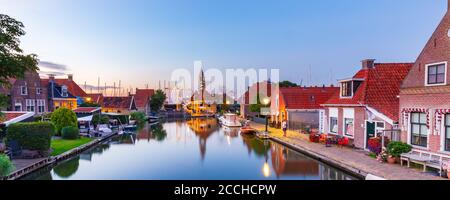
<point x="370" y="131"/>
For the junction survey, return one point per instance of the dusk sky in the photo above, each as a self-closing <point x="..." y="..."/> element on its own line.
<point x="141" y="41"/>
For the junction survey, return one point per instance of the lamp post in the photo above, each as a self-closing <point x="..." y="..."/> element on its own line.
<point x="266" y="102"/>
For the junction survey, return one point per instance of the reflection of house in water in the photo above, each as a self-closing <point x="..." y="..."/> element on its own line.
<point x="203" y="128"/>
<point x="287" y="162"/>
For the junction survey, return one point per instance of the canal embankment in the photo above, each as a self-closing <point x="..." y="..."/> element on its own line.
<point x="28" y="166"/>
<point x="353" y="161"/>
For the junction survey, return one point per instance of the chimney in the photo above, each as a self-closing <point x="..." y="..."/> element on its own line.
<point x="448" y="9"/>
<point x="70" y="77"/>
<point x="369" y="63"/>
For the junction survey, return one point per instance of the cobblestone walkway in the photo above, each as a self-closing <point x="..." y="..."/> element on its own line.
<point x="354" y="160"/>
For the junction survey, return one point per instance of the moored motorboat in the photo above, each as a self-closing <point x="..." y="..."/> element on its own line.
<point x="230" y="120"/>
<point x="247" y="130"/>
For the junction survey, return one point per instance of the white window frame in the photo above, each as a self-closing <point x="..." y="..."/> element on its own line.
<point x="410" y="135"/>
<point x="38" y="90"/>
<point x="30" y="103"/>
<point x="22" y="89"/>
<point x="426" y="74"/>
<point x="444" y="134"/>
<point x="351" y="90"/>
<point x="64" y="91"/>
<point x="349" y="113"/>
<point x="41" y="103"/>
<point x="333" y="113"/>
<point x="18" y="103"/>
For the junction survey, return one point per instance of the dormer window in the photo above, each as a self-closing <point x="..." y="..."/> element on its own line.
<point x="436" y="74"/>
<point x="349" y="87"/>
<point x="64" y="91"/>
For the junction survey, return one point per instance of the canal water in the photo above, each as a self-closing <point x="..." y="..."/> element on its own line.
<point x="197" y="149"/>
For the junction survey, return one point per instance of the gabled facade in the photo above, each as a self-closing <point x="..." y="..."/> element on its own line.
<point x="123" y="105"/>
<point x="59" y="95"/>
<point x="366" y="104"/>
<point x="27" y="94"/>
<point x="73" y="88"/>
<point x="425" y="95"/>
<point x="142" y="98"/>
<point x="301" y="106"/>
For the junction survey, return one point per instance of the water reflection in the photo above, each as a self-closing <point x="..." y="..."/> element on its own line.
<point x="152" y="132"/>
<point x="178" y="150"/>
<point x="67" y="168"/>
<point x="203" y="128"/>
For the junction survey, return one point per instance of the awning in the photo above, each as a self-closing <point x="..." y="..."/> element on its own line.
<point x="86" y="119"/>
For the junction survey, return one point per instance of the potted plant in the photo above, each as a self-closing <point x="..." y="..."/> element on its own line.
<point x="395" y="150"/>
<point x="314" y="137"/>
<point x="382" y="156"/>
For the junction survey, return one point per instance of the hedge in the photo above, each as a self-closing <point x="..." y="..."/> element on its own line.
<point x="31" y="136"/>
<point x="70" y="133"/>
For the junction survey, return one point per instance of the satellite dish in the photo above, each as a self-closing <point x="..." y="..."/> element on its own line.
<point x="448" y="33"/>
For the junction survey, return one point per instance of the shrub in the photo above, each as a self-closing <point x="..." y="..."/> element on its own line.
<point x="396" y="149"/>
<point x="70" y="133"/>
<point x="138" y="116"/>
<point x="6" y="165"/>
<point x="63" y="117"/>
<point x="31" y="136"/>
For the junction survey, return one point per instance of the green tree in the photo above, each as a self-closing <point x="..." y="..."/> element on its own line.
<point x="138" y="116"/>
<point x="157" y="100"/>
<point x="287" y="84"/>
<point x="13" y="63"/>
<point x="64" y="117"/>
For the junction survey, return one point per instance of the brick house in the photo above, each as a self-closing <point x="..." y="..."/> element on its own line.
<point x="301" y="106"/>
<point x="367" y="104"/>
<point x="425" y="95"/>
<point x="59" y="95"/>
<point x="71" y="86"/>
<point x="142" y="98"/>
<point x="27" y="94"/>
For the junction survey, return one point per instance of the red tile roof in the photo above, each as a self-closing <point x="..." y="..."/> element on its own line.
<point x="9" y="116"/>
<point x="117" y="102"/>
<point x="16" y="116"/>
<point x="73" y="87"/>
<point x="306" y="97"/>
<point x="379" y="90"/>
<point x="86" y="110"/>
<point x="142" y="97"/>
<point x="96" y="98"/>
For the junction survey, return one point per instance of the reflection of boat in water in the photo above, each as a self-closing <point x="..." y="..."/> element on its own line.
<point x="230" y="120"/>
<point x="232" y="132"/>
<point x="153" y="119"/>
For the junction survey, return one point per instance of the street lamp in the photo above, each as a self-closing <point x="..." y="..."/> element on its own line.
<point x="266" y="102"/>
